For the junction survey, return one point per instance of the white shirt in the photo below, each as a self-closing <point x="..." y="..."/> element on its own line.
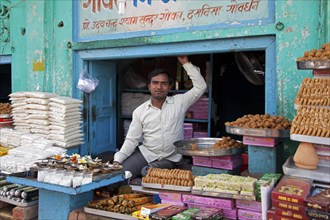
<point x="160" y="128"/>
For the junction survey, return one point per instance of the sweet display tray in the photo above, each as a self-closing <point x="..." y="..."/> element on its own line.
<point x="204" y="148"/>
<point x="296" y="106"/>
<point x="313" y="64"/>
<point x="321" y="174"/>
<point x="258" y="132"/>
<point x="310" y="139"/>
<point x="21" y="204"/>
<point x="222" y="195"/>
<point x="167" y="187"/>
<point x="109" y="214"/>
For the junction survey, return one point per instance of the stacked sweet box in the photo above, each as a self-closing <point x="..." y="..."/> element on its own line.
<point x="200" y="108"/>
<point x="248" y="209"/>
<point x="288" y="198"/>
<point x="223" y="162"/>
<point x="227" y="205"/>
<point x="188" y="130"/>
<point x="318" y="205"/>
<point x="172" y="198"/>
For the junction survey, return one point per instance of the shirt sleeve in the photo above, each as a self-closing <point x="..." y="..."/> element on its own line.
<point x="132" y="139"/>
<point x="199" y="85"/>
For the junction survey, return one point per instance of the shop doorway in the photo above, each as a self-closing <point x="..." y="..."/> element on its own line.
<point x="233" y="94"/>
<point x="6" y="79"/>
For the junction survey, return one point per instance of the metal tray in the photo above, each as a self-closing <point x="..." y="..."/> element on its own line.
<point x="167" y="187"/>
<point x="204" y="146"/>
<point x="313" y="64"/>
<point x="258" y="132"/>
<point x="321" y="174"/>
<point x="114" y="215"/>
<point x="223" y="195"/>
<point x="310" y="139"/>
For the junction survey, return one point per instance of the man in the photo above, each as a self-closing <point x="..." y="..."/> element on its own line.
<point x="159" y="121"/>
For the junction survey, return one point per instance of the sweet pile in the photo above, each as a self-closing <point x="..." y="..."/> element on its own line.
<point x="314" y="91"/>
<point x="322" y="53"/>
<point x="311" y="121"/>
<point x="170" y="177"/>
<point x="261" y="121"/>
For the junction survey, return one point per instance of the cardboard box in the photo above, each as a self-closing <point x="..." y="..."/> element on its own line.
<point x="169" y="196"/>
<point x="208" y="201"/>
<point x="248" y="214"/>
<point x="291" y="214"/>
<point x="292" y="190"/>
<point x="260" y="141"/>
<point x="288" y="206"/>
<point x="248" y="205"/>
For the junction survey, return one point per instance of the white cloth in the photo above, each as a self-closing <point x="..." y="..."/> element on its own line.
<point x="160" y="128"/>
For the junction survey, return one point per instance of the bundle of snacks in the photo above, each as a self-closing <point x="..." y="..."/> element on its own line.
<point x="314" y="91"/>
<point x="322" y="53"/>
<point x="226" y="183"/>
<point x="5" y="108"/>
<point x="124" y="204"/>
<point x="65" y="117"/>
<point x="311" y="121"/>
<point x="227" y="142"/>
<point x="261" y="121"/>
<point x="169" y="177"/>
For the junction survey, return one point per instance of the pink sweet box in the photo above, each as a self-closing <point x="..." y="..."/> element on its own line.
<point x="248" y="214"/>
<point x="225" y="162"/>
<point x="208" y="202"/>
<point x="169" y="196"/>
<point x="260" y="141"/>
<point x="173" y="203"/>
<point x="248" y="205"/>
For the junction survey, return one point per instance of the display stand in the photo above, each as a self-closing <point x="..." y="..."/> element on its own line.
<point x="265" y="148"/>
<point x="56" y="202"/>
<point x="321" y="69"/>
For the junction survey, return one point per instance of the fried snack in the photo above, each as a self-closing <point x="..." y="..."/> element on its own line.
<point x="314" y="91"/>
<point x="312" y="121"/>
<point x="322" y="53"/>
<point x="169" y="177"/>
<point x="226" y="143"/>
<point x="261" y="122"/>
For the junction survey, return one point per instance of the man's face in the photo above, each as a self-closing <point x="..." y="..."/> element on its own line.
<point x="159" y="86"/>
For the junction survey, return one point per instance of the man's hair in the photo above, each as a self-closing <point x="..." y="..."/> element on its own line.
<point x="157" y="72"/>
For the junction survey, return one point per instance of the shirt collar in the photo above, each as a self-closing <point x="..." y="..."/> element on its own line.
<point x="169" y="100"/>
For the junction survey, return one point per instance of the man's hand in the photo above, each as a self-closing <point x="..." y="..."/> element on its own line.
<point x="183" y="59"/>
<point x="115" y="164"/>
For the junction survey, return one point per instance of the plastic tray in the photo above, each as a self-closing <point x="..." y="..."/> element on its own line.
<point x="310" y="139"/>
<point x="111" y="215"/>
<point x="22" y="204"/>
<point x="313" y="64"/>
<point x="223" y="195"/>
<point x="204" y="148"/>
<point x="167" y="187"/>
<point x="321" y="174"/>
<point x="258" y="132"/>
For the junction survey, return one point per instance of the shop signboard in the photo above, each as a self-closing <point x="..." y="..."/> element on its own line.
<point x="109" y="19"/>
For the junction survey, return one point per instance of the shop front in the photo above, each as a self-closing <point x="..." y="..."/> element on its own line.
<point x="246" y="51"/>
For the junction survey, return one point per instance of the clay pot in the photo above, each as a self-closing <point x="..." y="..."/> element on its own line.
<point x="306" y="156"/>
